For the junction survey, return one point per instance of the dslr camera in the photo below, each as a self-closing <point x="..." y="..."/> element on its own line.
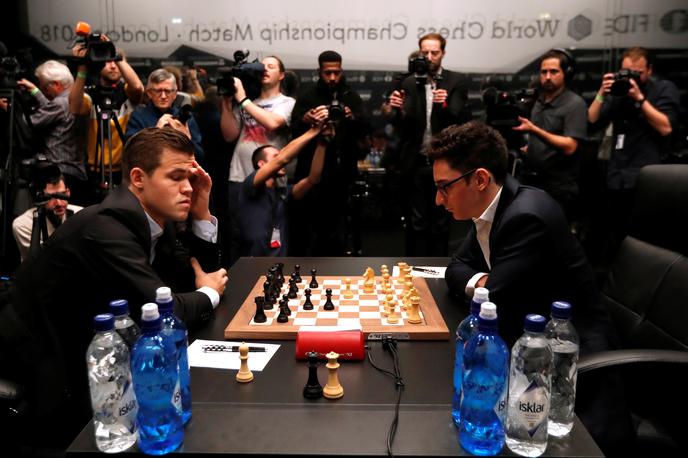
<point x="335" y="110"/>
<point x="249" y="73"/>
<point x="622" y="81"/>
<point x="419" y="67"/>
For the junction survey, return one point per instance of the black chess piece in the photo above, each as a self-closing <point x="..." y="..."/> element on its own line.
<point x="280" y="273"/>
<point x="314" y="282"/>
<point x="308" y="305"/>
<point x="259" y="317"/>
<point x="329" y="305"/>
<point x="297" y="274"/>
<point x="293" y="289"/>
<point x="282" y="317"/>
<point x="267" y="298"/>
<point x="285" y="303"/>
<point x="313" y="389"/>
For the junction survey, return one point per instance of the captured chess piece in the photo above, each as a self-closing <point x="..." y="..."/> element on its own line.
<point x="313" y="389"/>
<point x="332" y="390"/>
<point x="348" y="294"/>
<point x="244" y="375"/>
<point x="259" y="317"/>
<point x="297" y="274"/>
<point x="314" y="281"/>
<point x="308" y="305"/>
<point x="329" y="305"/>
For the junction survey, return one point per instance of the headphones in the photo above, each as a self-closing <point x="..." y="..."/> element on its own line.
<point x="568" y="63"/>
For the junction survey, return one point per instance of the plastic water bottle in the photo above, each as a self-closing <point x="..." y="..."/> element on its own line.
<point x="485" y="372"/>
<point x="563" y="339"/>
<point x="530" y="382"/>
<point x="112" y="393"/>
<point x="156" y="381"/>
<point x="175" y="328"/>
<point x="124" y="325"/>
<point x="465" y="331"/>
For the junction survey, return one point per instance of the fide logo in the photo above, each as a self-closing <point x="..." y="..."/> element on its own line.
<point x="579" y="27"/>
<point x="675" y="21"/>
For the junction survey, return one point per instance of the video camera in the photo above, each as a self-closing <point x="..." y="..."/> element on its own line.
<point x="502" y="109"/>
<point x="622" y="81"/>
<point x="13" y="68"/>
<point x="250" y="74"/>
<point x="98" y="51"/>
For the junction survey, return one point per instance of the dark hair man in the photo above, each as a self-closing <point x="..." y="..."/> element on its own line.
<point x="424" y="109"/>
<point x="556" y="126"/>
<point x="331" y="99"/>
<point x="125" y="247"/>
<point x="265" y="195"/>
<point x="125" y="90"/>
<point x="643" y="117"/>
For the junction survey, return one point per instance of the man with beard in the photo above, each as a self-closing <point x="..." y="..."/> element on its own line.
<point x="642" y="119"/>
<point x="556" y="126"/>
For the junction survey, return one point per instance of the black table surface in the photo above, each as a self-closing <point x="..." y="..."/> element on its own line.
<point x="270" y="416"/>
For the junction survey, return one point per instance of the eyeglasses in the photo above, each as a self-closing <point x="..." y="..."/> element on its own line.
<point x="442" y="188"/>
<point x="162" y="91"/>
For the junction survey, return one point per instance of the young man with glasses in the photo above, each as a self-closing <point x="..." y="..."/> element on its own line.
<point x="162" y="111"/>
<point x="520" y="247"/>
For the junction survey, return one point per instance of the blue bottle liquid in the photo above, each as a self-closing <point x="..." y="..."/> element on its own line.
<point x="154" y="370"/>
<point x="485" y="374"/>
<point x="464" y="332"/>
<point x="175" y="328"/>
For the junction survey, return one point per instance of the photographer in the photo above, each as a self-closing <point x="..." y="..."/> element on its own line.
<point x="162" y="110"/>
<point x="51" y="195"/>
<point x="430" y="100"/>
<point x="556" y="126"/>
<point x="124" y="90"/>
<point x="253" y="123"/>
<point x="315" y="233"/>
<point x="642" y="110"/>
<point x="54" y="124"/>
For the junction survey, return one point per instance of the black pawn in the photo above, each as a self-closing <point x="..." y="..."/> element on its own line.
<point x="267" y="299"/>
<point x="314" y="282"/>
<point x="297" y="273"/>
<point x="312" y="390"/>
<point x="293" y="289"/>
<point x="282" y="317"/>
<point x="259" y="317"/>
<point x="308" y="305"/>
<point x="285" y="303"/>
<point x="328" y="303"/>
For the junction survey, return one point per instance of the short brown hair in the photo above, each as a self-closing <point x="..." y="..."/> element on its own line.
<point x="471" y="146"/>
<point x="433" y="36"/>
<point x="143" y="150"/>
<point x="637" y="52"/>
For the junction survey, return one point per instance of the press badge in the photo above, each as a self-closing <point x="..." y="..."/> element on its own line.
<point x="620" y="141"/>
<point x="275" y="240"/>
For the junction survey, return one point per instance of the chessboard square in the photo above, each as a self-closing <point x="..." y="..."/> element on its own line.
<point x="370" y="308"/>
<point x="326" y="322"/>
<point x="301" y="313"/>
<point x="369" y="315"/>
<point x="368" y="297"/>
<point x="348" y="307"/>
<point x="314" y="297"/>
<point x="328" y="315"/>
<point x="369" y="302"/>
<point x="268" y="322"/>
<point x="398" y="323"/>
<point x="370" y="322"/>
<point x="301" y="321"/>
<point x="294" y="303"/>
<point x="348" y="322"/>
<point x="348" y="314"/>
<point x="331" y="282"/>
<point x="348" y="303"/>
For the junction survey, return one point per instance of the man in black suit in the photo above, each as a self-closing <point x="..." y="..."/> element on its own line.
<point x="520" y="247"/>
<point x="126" y="247"/>
<point x="424" y="106"/>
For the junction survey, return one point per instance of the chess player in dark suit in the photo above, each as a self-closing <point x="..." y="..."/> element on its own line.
<point x="125" y="247"/>
<point x="421" y="109"/>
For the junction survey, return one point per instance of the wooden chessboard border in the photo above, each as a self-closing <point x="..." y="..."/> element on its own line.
<point x="433" y="327"/>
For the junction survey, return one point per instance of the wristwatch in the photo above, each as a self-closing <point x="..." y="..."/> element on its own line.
<point x="639" y="103"/>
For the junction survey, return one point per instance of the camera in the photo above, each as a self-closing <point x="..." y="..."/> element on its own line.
<point x="335" y="111"/>
<point x="97" y="50"/>
<point x="419" y="67"/>
<point x="14" y="68"/>
<point x="502" y="109"/>
<point x="250" y="74"/>
<point x="622" y="81"/>
<point x="184" y="113"/>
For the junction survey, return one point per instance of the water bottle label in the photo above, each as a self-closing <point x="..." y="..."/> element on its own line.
<point x="532" y="408"/>
<point x="128" y="407"/>
<point x="177" y="397"/>
<point x="500" y="406"/>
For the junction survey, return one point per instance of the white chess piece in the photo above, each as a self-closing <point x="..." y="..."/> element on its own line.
<point x="333" y="389"/>
<point x="244" y="375"/>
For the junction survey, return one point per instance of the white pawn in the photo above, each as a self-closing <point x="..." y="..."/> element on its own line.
<point x="244" y="375"/>
<point x="333" y="389"/>
<point x="392" y="317"/>
<point x="348" y="294"/>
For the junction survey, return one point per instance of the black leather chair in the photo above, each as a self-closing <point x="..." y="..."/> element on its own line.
<point x="646" y="294"/>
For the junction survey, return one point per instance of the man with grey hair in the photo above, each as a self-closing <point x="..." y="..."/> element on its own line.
<point x="162" y="110"/>
<point x="54" y="125"/>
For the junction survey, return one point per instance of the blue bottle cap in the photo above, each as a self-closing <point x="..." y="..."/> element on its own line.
<point x="119" y="307"/>
<point x="104" y="322"/>
<point x="561" y="310"/>
<point x="534" y="323"/>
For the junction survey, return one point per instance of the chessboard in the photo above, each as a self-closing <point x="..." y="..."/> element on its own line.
<point x="364" y="310"/>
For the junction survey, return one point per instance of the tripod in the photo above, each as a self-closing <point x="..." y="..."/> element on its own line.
<point x="105" y="113"/>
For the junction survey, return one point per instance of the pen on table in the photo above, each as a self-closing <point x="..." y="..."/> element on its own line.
<point x="427" y="271"/>
<point x="233" y="348"/>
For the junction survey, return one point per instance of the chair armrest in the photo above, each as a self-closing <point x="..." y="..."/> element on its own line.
<point x="635" y="356"/>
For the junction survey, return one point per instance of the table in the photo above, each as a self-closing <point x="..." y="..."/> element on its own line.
<point x="269" y="416"/>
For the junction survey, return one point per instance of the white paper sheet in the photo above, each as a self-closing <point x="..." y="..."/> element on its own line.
<point x="229" y="360"/>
